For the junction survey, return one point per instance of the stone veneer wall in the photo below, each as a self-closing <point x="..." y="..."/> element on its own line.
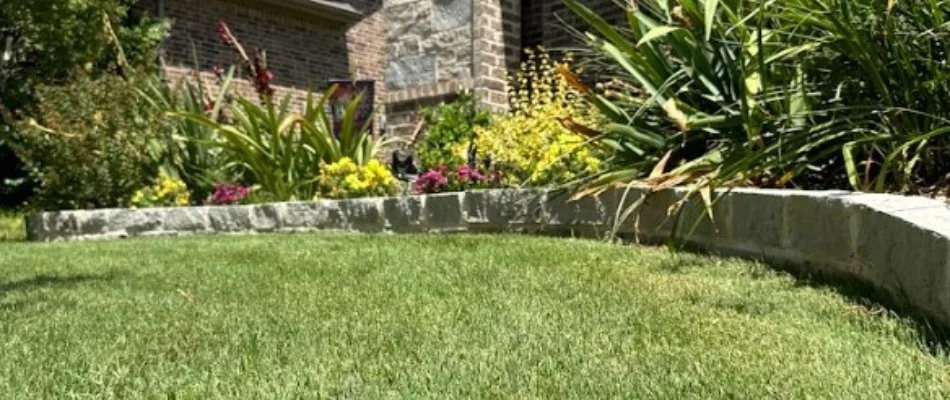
<point x="428" y="41"/>
<point x="899" y="245"/>
<point x="438" y="47"/>
<point x="430" y="49"/>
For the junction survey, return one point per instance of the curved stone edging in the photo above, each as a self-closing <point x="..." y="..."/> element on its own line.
<point x="900" y="245"/>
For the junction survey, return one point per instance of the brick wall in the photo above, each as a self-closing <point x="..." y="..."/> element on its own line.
<point x="366" y="47"/>
<point x="303" y="50"/>
<point x="548" y="23"/>
<point x="491" y="66"/>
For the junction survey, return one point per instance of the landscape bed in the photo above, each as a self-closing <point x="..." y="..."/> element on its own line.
<point x="897" y="245"/>
<point x="461" y="316"/>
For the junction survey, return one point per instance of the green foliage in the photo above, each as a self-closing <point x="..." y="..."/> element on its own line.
<point x="694" y="91"/>
<point x="93" y="143"/>
<point x="803" y="93"/>
<point x="192" y="153"/>
<point x="884" y="65"/>
<point x="12" y="228"/>
<point x="281" y="151"/>
<point x="56" y="41"/>
<point x="531" y="144"/>
<point x="448" y="125"/>
<point x="345" y="179"/>
<point x="57" y="37"/>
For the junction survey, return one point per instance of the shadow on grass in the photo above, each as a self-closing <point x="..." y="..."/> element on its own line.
<point x="874" y="302"/>
<point x="53" y="281"/>
<point x="867" y="298"/>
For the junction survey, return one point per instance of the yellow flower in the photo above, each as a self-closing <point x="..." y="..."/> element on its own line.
<point x="182" y="199"/>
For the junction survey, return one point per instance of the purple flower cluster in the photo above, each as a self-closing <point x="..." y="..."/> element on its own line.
<point x="440" y="180"/>
<point x="229" y="194"/>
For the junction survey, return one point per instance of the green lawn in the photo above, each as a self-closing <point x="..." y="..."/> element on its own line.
<point x="437" y="317"/>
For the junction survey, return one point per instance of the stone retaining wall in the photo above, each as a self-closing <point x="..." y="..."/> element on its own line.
<point x="899" y="245"/>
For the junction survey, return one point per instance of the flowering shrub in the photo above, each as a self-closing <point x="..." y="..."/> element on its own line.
<point x="345" y="179"/>
<point x="167" y="192"/>
<point x="531" y="142"/>
<point x="229" y="194"/>
<point x="441" y="180"/>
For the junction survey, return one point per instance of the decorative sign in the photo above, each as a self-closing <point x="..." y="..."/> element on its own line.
<point x="346" y="91"/>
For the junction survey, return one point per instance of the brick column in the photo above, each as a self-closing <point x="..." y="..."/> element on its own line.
<point x="490" y="67"/>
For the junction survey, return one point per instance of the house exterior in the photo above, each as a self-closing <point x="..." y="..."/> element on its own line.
<point x="417" y="51"/>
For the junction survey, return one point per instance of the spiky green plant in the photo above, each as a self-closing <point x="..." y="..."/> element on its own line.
<point x="281" y="150"/>
<point x="808" y="93"/>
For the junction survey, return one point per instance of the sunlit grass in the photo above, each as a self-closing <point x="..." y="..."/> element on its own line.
<point x="434" y="317"/>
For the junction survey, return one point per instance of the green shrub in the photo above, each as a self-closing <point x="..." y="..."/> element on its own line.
<point x="92" y="143"/>
<point x="345" y="179"/>
<point x="448" y="125"/>
<point x="11" y="227"/>
<point x="882" y="69"/>
<point x="52" y="42"/>
<point x="531" y="144"/>
<point x="693" y="101"/>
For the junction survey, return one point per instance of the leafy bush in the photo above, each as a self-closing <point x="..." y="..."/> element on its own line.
<point x="883" y="68"/>
<point x="447" y="126"/>
<point x="441" y="179"/>
<point x="346" y="179"/>
<point x="102" y="37"/>
<point x="689" y="92"/>
<point x="92" y="144"/>
<point x="531" y="144"/>
<point x="166" y="192"/>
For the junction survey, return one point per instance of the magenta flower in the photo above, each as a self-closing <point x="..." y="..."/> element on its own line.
<point x="229" y="194"/>
<point x="468" y="176"/>
<point x="440" y="180"/>
<point x="433" y="181"/>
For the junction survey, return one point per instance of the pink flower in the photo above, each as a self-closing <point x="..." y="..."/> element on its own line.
<point x="229" y="194"/>
<point x="433" y="181"/>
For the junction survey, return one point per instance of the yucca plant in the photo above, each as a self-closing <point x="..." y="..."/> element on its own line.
<point x="803" y="93"/>
<point x="703" y="94"/>
<point x="281" y="150"/>
<point x="885" y="63"/>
